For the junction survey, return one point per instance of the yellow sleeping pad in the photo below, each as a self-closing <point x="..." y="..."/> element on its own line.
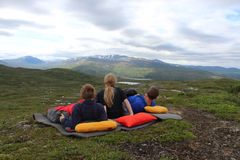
<point x="96" y="126"/>
<point x="156" y="109"/>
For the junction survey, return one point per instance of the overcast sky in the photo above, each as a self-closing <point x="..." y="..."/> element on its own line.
<point x="194" y="32"/>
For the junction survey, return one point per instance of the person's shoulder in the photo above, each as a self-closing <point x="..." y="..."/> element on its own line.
<point x="99" y="104"/>
<point x="118" y="89"/>
<point x="77" y="106"/>
<point x="136" y="97"/>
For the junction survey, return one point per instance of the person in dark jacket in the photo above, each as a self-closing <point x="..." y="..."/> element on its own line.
<point x="113" y="98"/>
<point x="86" y="111"/>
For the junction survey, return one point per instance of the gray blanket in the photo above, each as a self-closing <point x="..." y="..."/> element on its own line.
<point x="43" y="119"/>
<point x="167" y="116"/>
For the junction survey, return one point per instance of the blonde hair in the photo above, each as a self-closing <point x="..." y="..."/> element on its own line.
<point x="87" y="92"/>
<point x="109" y="82"/>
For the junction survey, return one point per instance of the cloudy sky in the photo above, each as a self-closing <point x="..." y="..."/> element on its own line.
<point x="194" y="32"/>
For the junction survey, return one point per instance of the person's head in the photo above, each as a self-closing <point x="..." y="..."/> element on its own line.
<point x="152" y="92"/>
<point x="87" y="92"/>
<point x="109" y="81"/>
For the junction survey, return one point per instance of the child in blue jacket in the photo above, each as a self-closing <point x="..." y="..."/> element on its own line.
<point x="138" y="102"/>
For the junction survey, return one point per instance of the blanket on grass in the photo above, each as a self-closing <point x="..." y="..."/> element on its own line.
<point x="39" y="117"/>
<point x="43" y="119"/>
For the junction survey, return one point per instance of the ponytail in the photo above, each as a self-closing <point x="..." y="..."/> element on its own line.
<point x="109" y="95"/>
<point x="109" y="81"/>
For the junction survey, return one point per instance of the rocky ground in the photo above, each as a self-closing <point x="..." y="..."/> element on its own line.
<point x="216" y="139"/>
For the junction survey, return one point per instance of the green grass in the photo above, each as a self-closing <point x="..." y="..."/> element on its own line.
<point x="24" y="92"/>
<point x="219" y="97"/>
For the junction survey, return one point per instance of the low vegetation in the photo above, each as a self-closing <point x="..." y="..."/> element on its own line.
<point x="24" y="92"/>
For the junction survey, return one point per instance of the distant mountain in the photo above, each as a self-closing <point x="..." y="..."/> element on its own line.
<point x="131" y="67"/>
<point x="128" y="67"/>
<point x="228" y="72"/>
<point x="26" y="62"/>
<point x="2" y="62"/>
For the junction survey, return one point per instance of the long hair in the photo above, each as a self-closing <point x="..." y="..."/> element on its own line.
<point x="109" y="82"/>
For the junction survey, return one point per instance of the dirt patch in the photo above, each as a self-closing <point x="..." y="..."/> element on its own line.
<point x="215" y="139"/>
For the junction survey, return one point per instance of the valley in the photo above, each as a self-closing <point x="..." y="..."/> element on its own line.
<point x="210" y="126"/>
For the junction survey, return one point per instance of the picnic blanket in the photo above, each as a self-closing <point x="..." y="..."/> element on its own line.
<point x="164" y="116"/>
<point x="41" y="118"/>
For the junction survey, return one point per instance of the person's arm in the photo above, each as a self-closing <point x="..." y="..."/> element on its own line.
<point x="102" y="112"/>
<point x="72" y="121"/>
<point x="105" y="108"/>
<point x="153" y="103"/>
<point x="76" y="117"/>
<point x="128" y="106"/>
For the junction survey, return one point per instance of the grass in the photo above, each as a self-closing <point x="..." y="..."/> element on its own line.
<point x="24" y="92"/>
<point x="216" y="96"/>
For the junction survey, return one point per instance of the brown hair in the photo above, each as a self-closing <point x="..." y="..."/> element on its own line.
<point x="87" y="92"/>
<point x="109" y="82"/>
<point x="153" y="92"/>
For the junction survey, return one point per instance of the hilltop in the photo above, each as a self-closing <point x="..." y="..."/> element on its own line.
<point x="209" y="130"/>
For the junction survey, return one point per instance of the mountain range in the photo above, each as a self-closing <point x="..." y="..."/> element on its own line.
<point x="128" y="67"/>
<point x="25" y="62"/>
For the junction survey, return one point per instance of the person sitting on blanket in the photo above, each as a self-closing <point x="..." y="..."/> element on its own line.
<point x="138" y="102"/>
<point x="113" y="98"/>
<point x="86" y="110"/>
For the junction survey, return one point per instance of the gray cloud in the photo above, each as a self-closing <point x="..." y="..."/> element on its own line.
<point x="167" y="47"/>
<point x="160" y="47"/>
<point x="28" y="5"/>
<point x="4" y="33"/>
<point x="108" y="14"/>
<point x="14" y="23"/>
<point x="132" y="32"/>
<point x="139" y="33"/>
<point x="143" y="37"/>
<point x="202" y="37"/>
<point x="208" y="56"/>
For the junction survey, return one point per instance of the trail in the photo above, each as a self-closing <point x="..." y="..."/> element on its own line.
<point x="216" y="139"/>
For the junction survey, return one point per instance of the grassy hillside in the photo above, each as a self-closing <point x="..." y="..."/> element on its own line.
<point x="24" y="92"/>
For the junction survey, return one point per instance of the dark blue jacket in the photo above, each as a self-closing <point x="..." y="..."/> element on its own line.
<point x="87" y="111"/>
<point x="138" y="103"/>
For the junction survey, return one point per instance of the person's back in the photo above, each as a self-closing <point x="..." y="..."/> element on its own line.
<point x="116" y="110"/>
<point x="86" y="111"/>
<point x="112" y="98"/>
<point x="138" y="102"/>
<point x="89" y="110"/>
